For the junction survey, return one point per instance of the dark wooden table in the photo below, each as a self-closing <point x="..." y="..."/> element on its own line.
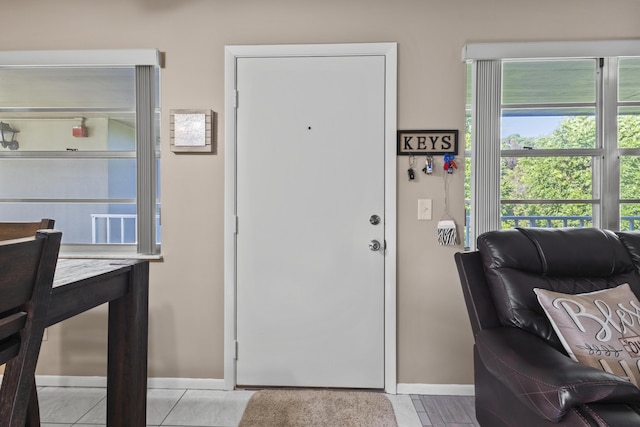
<point x="82" y="284"/>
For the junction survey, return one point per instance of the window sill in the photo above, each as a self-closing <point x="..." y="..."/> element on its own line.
<point x="95" y="255"/>
<point x="70" y="251"/>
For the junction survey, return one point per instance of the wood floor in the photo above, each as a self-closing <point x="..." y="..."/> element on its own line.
<point x="445" y="411"/>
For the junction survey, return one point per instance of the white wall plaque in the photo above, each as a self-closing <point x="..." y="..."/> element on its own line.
<point x="191" y="130"/>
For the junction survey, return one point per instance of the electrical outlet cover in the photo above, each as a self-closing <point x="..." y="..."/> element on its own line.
<point x="424" y="209"/>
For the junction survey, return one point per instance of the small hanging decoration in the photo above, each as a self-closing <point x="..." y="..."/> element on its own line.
<point x="428" y="166"/>
<point x="447" y="234"/>
<point x="412" y="163"/>
<point x="80" y="131"/>
<point x="447" y="229"/>
<point x="449" y="163"/>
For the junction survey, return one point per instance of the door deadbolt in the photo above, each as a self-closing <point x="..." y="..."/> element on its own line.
<point x="374" y="245"/>
<point x="374" y="220"/>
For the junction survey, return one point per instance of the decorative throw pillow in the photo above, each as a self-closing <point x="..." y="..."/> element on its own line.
<point x="600" y="329"/>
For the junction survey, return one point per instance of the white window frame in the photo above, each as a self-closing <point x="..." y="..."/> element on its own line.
<point x="146" y="63"/>
<point x="486" y="59"/>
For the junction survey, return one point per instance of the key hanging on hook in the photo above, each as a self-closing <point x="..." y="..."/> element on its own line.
<point x="428" y="165"/>
<point x="412" y="163"/>
<point x="449" y="163"/>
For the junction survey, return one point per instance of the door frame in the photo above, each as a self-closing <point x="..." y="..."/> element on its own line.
<point x="232" y="53"/>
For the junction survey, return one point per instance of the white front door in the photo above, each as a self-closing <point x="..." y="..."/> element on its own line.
<point x="310" y="187"/>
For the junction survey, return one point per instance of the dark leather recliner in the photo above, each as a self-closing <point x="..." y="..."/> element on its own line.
<point x="523" y="376"/>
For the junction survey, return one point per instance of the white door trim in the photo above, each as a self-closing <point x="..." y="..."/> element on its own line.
<point x="389" y="50"/>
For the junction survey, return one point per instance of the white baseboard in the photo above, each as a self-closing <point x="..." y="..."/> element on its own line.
<point x="175" y="383"/>
<point x="218" y="384"/>
<point x="70" y="381"/>
<point x="190" y="383"/>
<point x="437" y="389"/>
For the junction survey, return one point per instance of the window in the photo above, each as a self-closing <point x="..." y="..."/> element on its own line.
<point x="555" y="139"/>
<point x="87" y="152"/>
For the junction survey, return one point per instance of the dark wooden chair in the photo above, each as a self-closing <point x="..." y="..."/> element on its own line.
<point x="27" y="267"/>
<point x="16" y="230"/>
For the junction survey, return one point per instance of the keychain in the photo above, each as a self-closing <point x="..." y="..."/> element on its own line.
<point x="449" y="163"/>
<point x="428" y="166"/>
<point x="412" y="162"/>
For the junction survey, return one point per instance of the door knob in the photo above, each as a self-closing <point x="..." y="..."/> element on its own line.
<point x="374" y="245"/>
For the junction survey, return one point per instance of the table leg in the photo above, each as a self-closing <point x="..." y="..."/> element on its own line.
<point x="33" y="410"/>
<point x="127" y="354"/>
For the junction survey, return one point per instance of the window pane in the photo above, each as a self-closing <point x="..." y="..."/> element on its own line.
<point x="629" y="80"/>
<point x="469" y="83"/>
<point x="49" y="106"/>
<point x="546" y="215"/>
<point x="467" y="178"/>
<point x="64" y="178"/>
<point x="546" y="178"/>
<point x="158" y="225"/>
<point x="83" y="223"/>
<point x="548" y="82"/>
<point x="548" y="128"/>
<point x="629" y="216"/>
<point x="77" y="220"/>
<point x="629" y="127"/>
<point x="629" y="177"/>
<point x="50" y="132"/>
<point x="67" y="88"/>
<point x="115" y="224"/>
<point x="75" y="132"/>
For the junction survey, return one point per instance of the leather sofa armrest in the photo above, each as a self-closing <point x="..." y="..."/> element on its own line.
<point x="544" y="379"/>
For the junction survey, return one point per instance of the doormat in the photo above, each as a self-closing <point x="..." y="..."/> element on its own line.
<point x="318" y="408"/>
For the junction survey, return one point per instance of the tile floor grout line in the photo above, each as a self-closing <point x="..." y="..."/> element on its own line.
<point x="184" y="391"/>
<point x="89" y="410"/>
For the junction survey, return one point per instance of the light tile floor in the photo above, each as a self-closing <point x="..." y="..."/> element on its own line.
<point x="86" y="407"/>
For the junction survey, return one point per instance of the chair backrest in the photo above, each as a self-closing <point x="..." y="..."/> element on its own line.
<point x="27" y="267"/>
<point x="478" y="299"/>
<point x="16" y="230"/>
<point x="498" y="280"/>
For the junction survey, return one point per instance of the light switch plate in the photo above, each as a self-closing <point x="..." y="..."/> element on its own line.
<point x="424" y="209"/>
